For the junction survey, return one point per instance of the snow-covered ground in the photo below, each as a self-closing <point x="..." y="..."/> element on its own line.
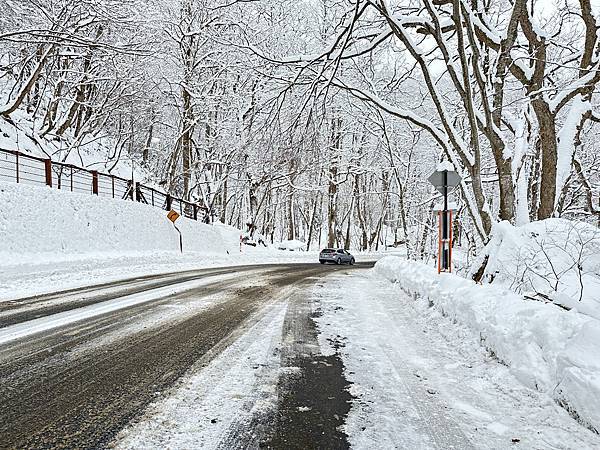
<point x="423" y="382"/>
<point x="544" y="346"/>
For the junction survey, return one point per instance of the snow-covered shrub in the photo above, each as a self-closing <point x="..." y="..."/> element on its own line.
<point x="554" y="259"/>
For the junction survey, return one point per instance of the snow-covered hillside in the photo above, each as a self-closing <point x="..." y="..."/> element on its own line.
<point x="94" y="153"/>
<point x="53" y="240"/>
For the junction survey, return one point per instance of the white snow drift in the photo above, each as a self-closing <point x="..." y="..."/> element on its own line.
<point x="40" y="223"/>
<point x="546" y="347"/>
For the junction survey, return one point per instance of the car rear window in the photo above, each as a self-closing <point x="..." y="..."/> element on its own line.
<point x="328" y="250"/>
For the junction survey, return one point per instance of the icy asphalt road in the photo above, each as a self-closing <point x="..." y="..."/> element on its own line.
<point x="76" y="383"/>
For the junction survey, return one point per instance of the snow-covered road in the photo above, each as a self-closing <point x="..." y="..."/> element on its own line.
<point x="280" y="356"/>
<point x="77" y="367"/>
<point x="422" y="382"/>
<point x="415" y="380"/>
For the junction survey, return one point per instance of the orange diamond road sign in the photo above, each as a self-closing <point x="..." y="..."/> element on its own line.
<point x="172" y="216"/>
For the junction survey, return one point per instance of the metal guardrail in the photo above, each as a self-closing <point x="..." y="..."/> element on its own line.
<point x="28" y="169"/>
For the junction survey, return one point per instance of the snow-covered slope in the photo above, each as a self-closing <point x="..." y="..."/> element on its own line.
<point x="39" y="223"/>
<point x="94" y="153"/>
<point x="546" y="347"/>
<point x="54" y="240"/>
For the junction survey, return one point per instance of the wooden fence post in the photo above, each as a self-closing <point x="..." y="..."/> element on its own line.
<point x="129" y="193"/>
<point x="95" y="182"/>
<point x="195" y="211"/>
<point x="169" y="202"/>
<point x="48" y="170"/>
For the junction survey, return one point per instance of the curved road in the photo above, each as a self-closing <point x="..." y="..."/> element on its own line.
<point x="105" y="352"/>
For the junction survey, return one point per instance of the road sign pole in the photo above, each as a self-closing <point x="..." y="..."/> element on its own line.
<point x="444" y="179"/>
<point x="444" y="254"/>
<point x="173" y="216"/>
<point x="180" y="238"/>
<point x="450" y="241"/>
<point x="440" y="247"/>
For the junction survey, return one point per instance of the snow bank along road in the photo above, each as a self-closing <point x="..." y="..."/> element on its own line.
<point x="77" y="366"/>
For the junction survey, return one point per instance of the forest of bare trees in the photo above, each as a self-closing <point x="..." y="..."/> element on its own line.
<point x="320" y="120"/>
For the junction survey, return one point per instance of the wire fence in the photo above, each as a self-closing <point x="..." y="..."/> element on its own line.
<point x="27" y="169"/>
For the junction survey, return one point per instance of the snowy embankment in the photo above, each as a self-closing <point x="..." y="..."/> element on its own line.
<point x="545" y="347"/>
<point x="553" y="260"/>
<point x="40" y="223"/>
<point x="54" y="240"/>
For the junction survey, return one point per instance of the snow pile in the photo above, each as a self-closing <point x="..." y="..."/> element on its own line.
<point x="40" y="223"/>
<point x="554" y="259"/>
<point x="546" y="348"/>
<point x="292" y="245"/>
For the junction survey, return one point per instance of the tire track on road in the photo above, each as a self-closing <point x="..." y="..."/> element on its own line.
<point x="52" y="396"/>
<point x="21" y="310"/>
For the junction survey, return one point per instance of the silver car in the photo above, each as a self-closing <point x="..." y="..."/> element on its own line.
<point x="339" y="256"/>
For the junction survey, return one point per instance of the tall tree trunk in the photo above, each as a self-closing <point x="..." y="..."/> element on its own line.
<point x="292" y="226"/>
<point x="223" y="212"/>
<point x="186" y="140"/>
<point x="146" y="152"/>
<point x="291" y="222"/>
<point x="316" y="208"/>
<point x="253" y="206"/>
<point x="364" y="240"/>
<point x="336" y="141"/>
<point x="548" y="146"/>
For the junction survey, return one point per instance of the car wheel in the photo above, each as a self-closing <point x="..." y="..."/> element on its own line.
<point x="338" y="261"/>
<point x="321" y="261"/>
<point x="352" y="262"/>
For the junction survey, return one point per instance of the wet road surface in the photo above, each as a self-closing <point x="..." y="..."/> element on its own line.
<point x="78" y="385"/>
